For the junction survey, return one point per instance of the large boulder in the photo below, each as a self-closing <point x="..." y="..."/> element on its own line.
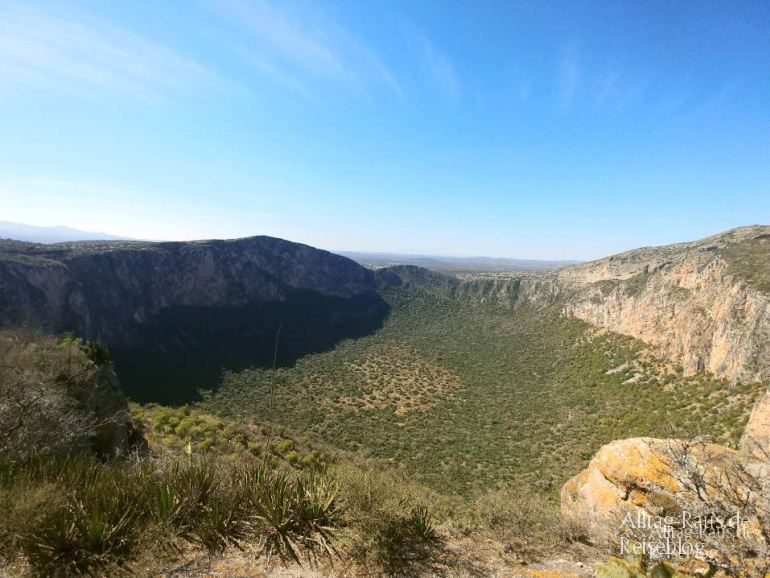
<point x="638" y="475"/>
<point x="645" y="490"/>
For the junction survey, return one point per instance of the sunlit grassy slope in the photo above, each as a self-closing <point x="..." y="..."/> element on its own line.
<point x="469" y="397"/>
<point x="750" y="260"/>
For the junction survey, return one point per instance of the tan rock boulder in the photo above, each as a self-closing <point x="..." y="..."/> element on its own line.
<point x="638" y="475"/>
<point x="653" y="491"/>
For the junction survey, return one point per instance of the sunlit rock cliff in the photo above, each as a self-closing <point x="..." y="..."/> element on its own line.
<point x="704" y="305"/>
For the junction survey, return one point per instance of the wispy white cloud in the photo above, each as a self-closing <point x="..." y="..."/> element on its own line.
<point x="440" y="69"/>
<point x="76" y="51"/>
<point x="568" y="76"/>
<point x="276" y="74"/>
<point x="294" y="49"/>
<point x="284" y="35"/>
<point x="609" y="86"/>
<point x="616" y="89"/>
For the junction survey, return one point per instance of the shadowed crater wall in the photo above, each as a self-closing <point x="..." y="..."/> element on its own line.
<point x="176" y="314"/>
<point x="186" y="348"/>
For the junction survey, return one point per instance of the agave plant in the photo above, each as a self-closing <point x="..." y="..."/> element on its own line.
<point x="199" y="505"/>
<point x="98" y="525"/>
<point x="297" y="513"/>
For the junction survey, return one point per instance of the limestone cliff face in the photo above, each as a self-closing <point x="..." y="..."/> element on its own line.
<point x="756" y="436"/>
<point x="504" y="289"/>
<point x="100" y="288"/>
<point x="704" y="305"/>
<point x="689" y="300"/>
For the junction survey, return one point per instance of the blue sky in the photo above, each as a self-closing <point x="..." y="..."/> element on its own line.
<point x="520" y="129"/>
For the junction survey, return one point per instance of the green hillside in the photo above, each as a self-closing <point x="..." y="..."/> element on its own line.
<point x="748" y="260"/>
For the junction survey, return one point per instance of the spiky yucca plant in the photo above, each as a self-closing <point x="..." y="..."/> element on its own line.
<point x="298" y="513"/>
<point x="99" y="524"/>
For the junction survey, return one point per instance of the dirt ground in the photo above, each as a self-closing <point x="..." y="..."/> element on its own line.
<point x="463" y="557"/>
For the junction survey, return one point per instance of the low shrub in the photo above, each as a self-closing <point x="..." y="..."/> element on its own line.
<point x="387" y="523"/>
<point x="97" y="525"/>
<point x="79" y="516"/>
<point x="525" y="521"/>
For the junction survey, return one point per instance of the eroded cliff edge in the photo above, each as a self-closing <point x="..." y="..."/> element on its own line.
<point x="704" y="305"/>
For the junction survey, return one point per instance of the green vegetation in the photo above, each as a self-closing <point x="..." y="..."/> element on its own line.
<point x="467" y="398"/>
<point x="750" y="260"/>
<point x="58" y="396"/>
<point x="198" y="483"/>
<point x="636" y="285"/>
<point x="78" y="516"/>
<point x="186" y="430"/>
<point x="453" y="421"/>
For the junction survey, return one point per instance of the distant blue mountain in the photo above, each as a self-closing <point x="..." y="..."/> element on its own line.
<point x="34" y="234"/>
<point x="454" y="264"/>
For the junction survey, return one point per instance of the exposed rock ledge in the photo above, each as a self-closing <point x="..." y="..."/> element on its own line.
<point x="687" y="300"/>
<point x="756" y="436"/>
<point x="650" y="479"/>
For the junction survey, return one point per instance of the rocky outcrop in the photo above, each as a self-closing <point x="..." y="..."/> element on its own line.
<point x="637" y="476"/>
<point x="631" y="484"/>
<point x="99" y="288"/>
<point x="504" y="289"/>
<point x="756" y="436"/>
<point x="685" y="501"/>
<point x="691" y="301"/>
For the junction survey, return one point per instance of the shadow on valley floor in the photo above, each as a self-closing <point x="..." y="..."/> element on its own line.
<point x="185" y="349"/>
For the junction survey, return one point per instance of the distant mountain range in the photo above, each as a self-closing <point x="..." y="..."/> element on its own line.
<point x="61" y="234"/>
<point x="34" y="234"/>
<point x="454" y="264"/>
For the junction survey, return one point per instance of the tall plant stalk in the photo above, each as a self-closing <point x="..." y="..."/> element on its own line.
<point x="271" y="396"/>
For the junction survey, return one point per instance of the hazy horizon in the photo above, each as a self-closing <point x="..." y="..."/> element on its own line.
<point x="38" y="235"/>
<point x="548" y="130"/>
